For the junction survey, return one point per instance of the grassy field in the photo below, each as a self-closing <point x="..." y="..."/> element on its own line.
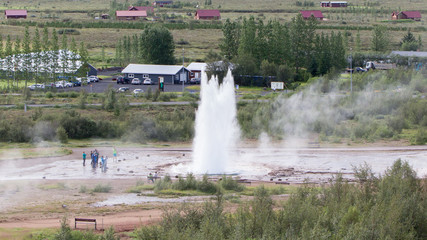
<point x="201" y="41"/>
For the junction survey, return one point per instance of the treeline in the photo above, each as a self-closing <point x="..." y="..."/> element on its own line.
<point x="391" y="206"/>
<point x="41" y="57"/>
<point x="169" y="24"/>
<point x="290" y="52"/>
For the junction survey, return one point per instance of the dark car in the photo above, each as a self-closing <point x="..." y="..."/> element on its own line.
<point x="123" y="89"/>
<point x="123" y="80"/>
<point x="359" y="69"/>
<point x="195" y="81"/>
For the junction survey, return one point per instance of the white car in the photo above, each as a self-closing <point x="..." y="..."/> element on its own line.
<point x="36" y="86"/>
<point x="147" y="81"/>
<point x="136" y="81"/>
<point x="93" y="79"/>
<point x="68" y="84"/>
<point x="59" y="85"/>
<point x="138" y="91"/>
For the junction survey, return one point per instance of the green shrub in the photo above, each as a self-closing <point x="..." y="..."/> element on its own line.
<point x="228" y="183"/>
<point x="49" y="95"/>
<point x="62" y="135"/>
<point x="206" y="186"/>
<point x="83" y="189"/>
<point x="420" y="137"/>
<point x="102" y="188"/>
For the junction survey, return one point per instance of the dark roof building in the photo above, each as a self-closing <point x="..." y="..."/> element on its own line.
<point x="21" y="13"/>
<point x="212" y="14"/>
<point x="171" y="74"/>
<point x="130" y="15"/>
<point x="143" y="8"/>
<point x="334" y="4"/>
<point x="315" y="13"/>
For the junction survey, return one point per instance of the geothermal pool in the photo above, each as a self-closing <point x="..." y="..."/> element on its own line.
<point x="292" y="165"/>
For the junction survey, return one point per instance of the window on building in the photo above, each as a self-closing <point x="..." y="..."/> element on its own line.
<point x="130" y="75"/>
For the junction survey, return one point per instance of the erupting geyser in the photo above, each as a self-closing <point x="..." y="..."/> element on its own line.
<point x="216" y="127"/>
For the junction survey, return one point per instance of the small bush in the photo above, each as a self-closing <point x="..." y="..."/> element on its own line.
<point x="83" y="189"/>
<point x="102" y="188"/>
<point x="228" y="183"/>
<point x="420" y="137"/>
<point x="62" y="135"/>
<point x="49" y="95"/>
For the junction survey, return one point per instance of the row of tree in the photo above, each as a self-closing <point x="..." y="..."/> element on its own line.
<point x="40" y="56"/>
<point x="272" y="49"/>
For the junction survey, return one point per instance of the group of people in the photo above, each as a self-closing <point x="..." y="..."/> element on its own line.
<point x="94" y="160"/>
<point x="152" y="178"/>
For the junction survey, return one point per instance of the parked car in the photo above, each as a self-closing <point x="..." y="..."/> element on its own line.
<point x="138" y="91"/>
<point x="93" y="78"/>
<point x="36" y="86"/>
<point x="68" y="84"/>
<point x="59" y="85"/>
<point x="136" y="81"/>
<point x="147" y="81"/>
<point x="359" y="69"/>
<point x="195" y="81"/>
<point x="122" y="80"/>
<point x="123" y="89"/>
<point x="77" y="82"/>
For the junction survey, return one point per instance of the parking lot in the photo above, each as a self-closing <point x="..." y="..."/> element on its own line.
<point x="102" y="85"/>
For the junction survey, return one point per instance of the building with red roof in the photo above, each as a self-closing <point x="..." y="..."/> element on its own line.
<point x="130" y="15"/>
<point x="414" y="15"/>
<point x="20" y="13"/>
<point x="211" y="14"/>
<point x="315" y="13"/>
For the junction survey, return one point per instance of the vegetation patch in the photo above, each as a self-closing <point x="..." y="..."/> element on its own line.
<point x="56" y="186"/>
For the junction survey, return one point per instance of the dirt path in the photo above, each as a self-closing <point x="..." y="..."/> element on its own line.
<point x="123" y="221"/>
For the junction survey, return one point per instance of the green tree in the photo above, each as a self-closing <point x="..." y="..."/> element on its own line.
<point x="409" y="42"/>
<point x="1" y="47"/>
<point x="8" y="52"/>
<point x="247" y="43"/>
<point x="379" y="42"/>
<point x="230" y="42"/>
<point x="302" y="36"/>
<point x="17" y="55"/>
<point x="54" y="53"/>
<point x="1" y="55"/>
<point x="46" y="47"/>
<point x="27" y="57"/>
<point x="37" y="55"/>
<point x="74" y="54"/>
<point x="278" y="44"/>
<point x="64" y="54"/>
<point x="157" y="46"/>
<point x="268" y="69"/>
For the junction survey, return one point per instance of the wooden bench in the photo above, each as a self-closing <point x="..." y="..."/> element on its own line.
<point x="84" y="220"/>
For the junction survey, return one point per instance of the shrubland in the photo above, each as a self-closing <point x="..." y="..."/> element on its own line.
<point x="390" y="206"/>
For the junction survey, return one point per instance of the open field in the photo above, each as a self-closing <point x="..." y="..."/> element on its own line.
<point x="201" y="41"/>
